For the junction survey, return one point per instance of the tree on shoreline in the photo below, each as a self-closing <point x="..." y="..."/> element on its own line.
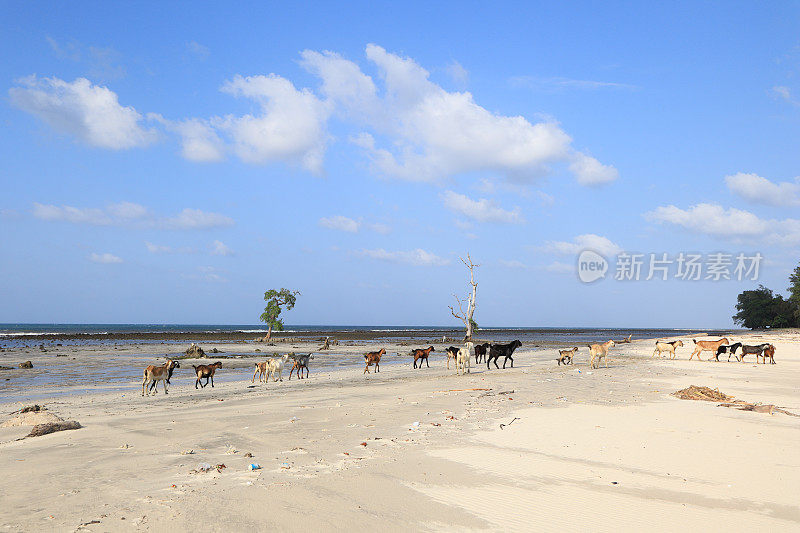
<point x="276" y="301"/>
<point x="761" y="308"/>
<point x="466" y="315"/>
<point x="794" y="292"/>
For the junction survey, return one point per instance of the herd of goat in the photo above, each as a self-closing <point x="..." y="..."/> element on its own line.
<point x="488" y="352"/>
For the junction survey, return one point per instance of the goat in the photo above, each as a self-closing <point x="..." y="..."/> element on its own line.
<point x="452" y="353"/>
<point x="769" y="351"/>
<point x="261" y="370"/>
<point x="504" y="350"/>
<point x="300" y="362"/>
<point x="565" y="356"/>
<point x="371" y="358"/>
<point x="155" y="374"/>
<point x="419" y="354"/>
<point x="169" y="375"/>
<point x="206" y="371"/>
<point x="663" y="346"/>
<point x="463" y="358"/>
<point x="706" y="346"/>
<point x="599" y="351"/>
<point x="275" y="367"/>
<point x="480" y="351"/>
<point x="730" y="348"/>
<point x="747" y="350"/>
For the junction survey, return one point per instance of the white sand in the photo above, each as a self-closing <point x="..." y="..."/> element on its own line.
<point x="676" y="463"/>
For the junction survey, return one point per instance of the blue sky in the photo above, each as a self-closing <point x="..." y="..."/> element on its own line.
<point x="168" y="162"/>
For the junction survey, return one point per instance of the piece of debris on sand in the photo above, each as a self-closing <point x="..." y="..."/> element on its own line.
<point x="702" y="393"/>
<point x="757" y="408"/>
<point x="32" y="408"/>
<point x="51" y="427"/>
<point x="714" y="395"/>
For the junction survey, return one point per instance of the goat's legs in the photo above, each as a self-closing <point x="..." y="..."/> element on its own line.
<point x="426" y="362"/>
<point x="212" y="381"/>
<point x="165" y="386"/>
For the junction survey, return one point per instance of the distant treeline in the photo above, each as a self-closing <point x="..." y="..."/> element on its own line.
<point x="761" y="308"/>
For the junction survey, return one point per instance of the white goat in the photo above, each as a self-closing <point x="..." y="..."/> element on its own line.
<point x="463" y="358"/>
<point x="663" y="346"/>
<point x="275" y="367"/>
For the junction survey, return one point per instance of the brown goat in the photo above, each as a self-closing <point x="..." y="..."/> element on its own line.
<point x="419" y="354"/>
<point x="599" y="351"/>
<point x="206" y="371"/>
<point x="155" y="374"/>
<point x="707" y="346"/>
<point x="371" y="358"/>
<point x="769" y="351"/>
<point x="565" y="356"/>
<point x="261" y="370"/>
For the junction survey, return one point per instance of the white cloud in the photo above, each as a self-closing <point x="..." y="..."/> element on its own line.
<point x="561" y="83"/>
<point x="220" y="248"/>
<point x="106" y="258"/>
<point x="560" y="268"/>
<point x="199" y="140"/>
<point x="158" y="249"/>
<point x="130" y="214"/>
<point x="785" y="94"/>
<point x="457" y="72"/>
<point x="587" y="241"/>
<point x="161" y="249"/>
<point x="590" y="171"/>
<point x="511" y="263"/>
<point x="198" y="49"/>
<point x="755" y="188"/>
<point x="291" y="126"/>
<point x="206" y="273"/>
<point x="711" y="219"/>
<point x="197" y="219"/>
<point x="482" y="210"/>
<point x="89" y="112"/>
<point x="340" y="223"/>
<point x="417" y="257"/>
<point x="346" y="224"/>
<point x="434" y="133"/>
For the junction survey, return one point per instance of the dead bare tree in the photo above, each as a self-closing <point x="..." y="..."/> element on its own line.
<point x="465" y="315"/>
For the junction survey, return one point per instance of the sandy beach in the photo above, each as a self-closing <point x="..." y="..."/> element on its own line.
<point x="602" y="449"/>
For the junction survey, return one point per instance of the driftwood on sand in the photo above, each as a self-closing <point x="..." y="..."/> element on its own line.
<point x="714" y="395"/>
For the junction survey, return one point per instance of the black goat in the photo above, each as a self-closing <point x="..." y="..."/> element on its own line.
<point x="502" y="350"/>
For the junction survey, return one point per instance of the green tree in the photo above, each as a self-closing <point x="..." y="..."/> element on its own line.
<point x="761" y="308"/>
<point x="794" y="293"/>
<point x="276" y="301"/>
